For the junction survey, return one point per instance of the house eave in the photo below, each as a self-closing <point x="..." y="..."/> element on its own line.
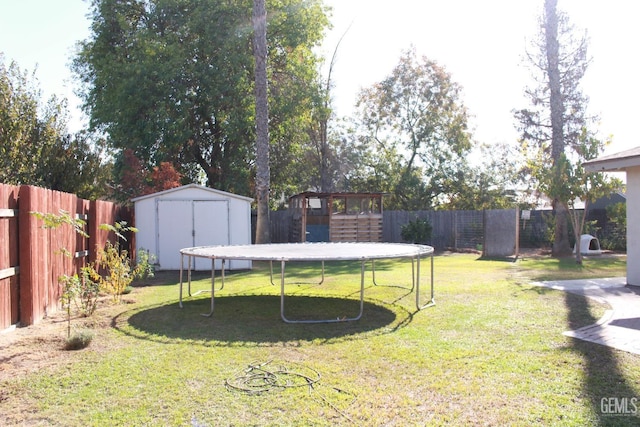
<point x="614" y="162"/>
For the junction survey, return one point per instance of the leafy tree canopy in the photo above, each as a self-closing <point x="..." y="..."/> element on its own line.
<point x="35" y="147"/>
<point x="138" y="180"/>
<point x="173" y="80"/>
<point x="494" y="182"/>
<point x="415" y="123"/>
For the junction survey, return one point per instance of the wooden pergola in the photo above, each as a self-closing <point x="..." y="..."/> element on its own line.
<point x="336" y="217"/>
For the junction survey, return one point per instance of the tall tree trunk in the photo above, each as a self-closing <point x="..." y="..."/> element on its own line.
<point x="263" y="179"/>
<point x="326" y="178"/>
<point x="561" y="245"/>
<point x="561" y="236"/>
<point x="326" y="183"/>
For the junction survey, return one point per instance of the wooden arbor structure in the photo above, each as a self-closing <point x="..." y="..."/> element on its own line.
<point x="336" y="217"/>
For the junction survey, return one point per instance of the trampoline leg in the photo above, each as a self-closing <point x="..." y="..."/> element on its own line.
<point x="417" y="281"/>
<point x="344" y="319"/>
<point x="413" y="273"/>
<point x="282" y="293"/>
<point x="373" y="271"/>
<point x="433" y="300"/>
<point x="413" y="283"/>
<point x="361" y="291"/>
<point x="189" y="275"/>
<point x="202" y="291"/>
<point x="271" y="273"/>
<point x="222" y="284"/>
<point x="213" y="286"/>
<point x="181" y="268"/>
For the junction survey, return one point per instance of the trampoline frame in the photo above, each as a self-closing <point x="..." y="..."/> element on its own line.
<point x="305" y="252"/>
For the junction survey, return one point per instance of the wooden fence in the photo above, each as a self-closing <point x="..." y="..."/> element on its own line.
<point x="451" y="229"/>
<point x="464" y="229"/>
<point x="30" y="255"/>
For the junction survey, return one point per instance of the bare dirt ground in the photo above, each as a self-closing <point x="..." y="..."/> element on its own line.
<point x="28" y="349"/>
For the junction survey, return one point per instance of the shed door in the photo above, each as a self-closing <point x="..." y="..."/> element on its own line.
<point x="187" y="223"/>
<point x="174" y="231"/>
<point x="211" y="227"/>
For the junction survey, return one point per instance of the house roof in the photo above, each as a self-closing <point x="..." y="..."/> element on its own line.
<point x="218" y="193"/>
<point x="614" y="162"/>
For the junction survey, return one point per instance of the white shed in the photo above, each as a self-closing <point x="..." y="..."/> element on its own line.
<point x="191" y="215"/>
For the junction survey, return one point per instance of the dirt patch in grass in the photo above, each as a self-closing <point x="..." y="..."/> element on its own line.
<point x="41" y="346"/>
<point x="28" y="349"/>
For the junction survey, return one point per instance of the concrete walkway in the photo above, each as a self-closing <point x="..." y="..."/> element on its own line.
<point x="620" y="326"/>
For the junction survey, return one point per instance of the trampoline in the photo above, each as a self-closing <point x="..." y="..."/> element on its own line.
<point x="315" y="252"/>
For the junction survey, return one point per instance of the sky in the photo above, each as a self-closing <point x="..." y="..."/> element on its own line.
<point x="481" y="43"/>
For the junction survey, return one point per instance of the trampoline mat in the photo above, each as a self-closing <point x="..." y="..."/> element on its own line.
<point x="310" y="251"/>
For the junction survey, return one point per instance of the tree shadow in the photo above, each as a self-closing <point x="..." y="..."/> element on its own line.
<point x="254" y="320"/>
<point x="604" y="378"/>
<point x="509" y="259"/>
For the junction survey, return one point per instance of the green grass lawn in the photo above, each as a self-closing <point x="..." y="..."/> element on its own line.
<point x="490" y="352"/>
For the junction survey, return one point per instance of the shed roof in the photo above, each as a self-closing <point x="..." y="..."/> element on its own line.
<point x="213" y="191"/>
<point x="614" y="162"/>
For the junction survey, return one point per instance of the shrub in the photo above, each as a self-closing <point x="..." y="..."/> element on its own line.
<point x="70" y="286"/>
<point x="417" y="231"/>
<point x="82" y="292"/>
<point x="79" y="340"/>
<point x="117" y="265"/>
<point x="615" y="236"/>
<point x="87" y="295"/>
<point x="144" y="265"/>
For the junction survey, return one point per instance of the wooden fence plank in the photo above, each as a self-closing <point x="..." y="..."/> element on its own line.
<point x="28" y="273"/>
<point x="9" y="263"/>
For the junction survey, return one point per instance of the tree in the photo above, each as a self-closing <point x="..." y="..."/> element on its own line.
<point x="134" y="177"/>
<point x="173" y="80"/>
<point x="552" y="127"/>
<point x="262" y="120"/>
<point x="137" y="180"/>
<point x="35" y="147"/>
<point x="322" y="150"/>
<point x="571" y="183"/>
<point x="332" y="155"/>
<point x="165" y="177"/>
<point x="415" y="119"/>
<point x="19" y="125"/>
<point x="491" y="183"/>
<point x="76" y="164"/>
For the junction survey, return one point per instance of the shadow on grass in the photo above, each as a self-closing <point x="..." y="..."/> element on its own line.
<point x="254" y="320"/>
<point x="510" y="259"/>
<point x="605" y="383"/>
